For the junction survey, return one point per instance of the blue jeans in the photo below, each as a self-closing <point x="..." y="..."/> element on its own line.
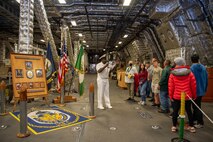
<point x="148" y="88"/>
<point x="164" y="100"/>
<point x="143" y="91"/>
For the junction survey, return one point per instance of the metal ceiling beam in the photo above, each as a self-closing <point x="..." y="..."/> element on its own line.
<point x="92" y="13"/>
<point x="100" y="14"/>
<point x="88" y="30"/>
<point x="88" y="21"/>
<point x="134" y="36"/>
<point x="122" y="26"/>
<point x="85" y="25"/>
<point x="139" y="12"/>
<point x="83" y="4"/>
<point x="206" y="13"/>
<point x="9" y="12"/>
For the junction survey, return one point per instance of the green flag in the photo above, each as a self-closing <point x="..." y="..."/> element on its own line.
<point x="79" y="58"/>
<point x="79" y="66"/>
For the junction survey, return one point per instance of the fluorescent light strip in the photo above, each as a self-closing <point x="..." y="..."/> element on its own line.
<point x="42" y="40"/>
<point x="125" y="36"/>
<point x="73" y="23"/>
<point x="62" y="1"/>
<point x="127" y="2"/>
<point x="80" y="35"/>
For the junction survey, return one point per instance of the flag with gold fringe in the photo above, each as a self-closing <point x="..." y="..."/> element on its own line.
<point x="79" y="66"/>
<point x="49" y="67"/>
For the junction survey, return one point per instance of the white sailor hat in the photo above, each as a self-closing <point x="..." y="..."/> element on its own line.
<point x="103" y="56"/>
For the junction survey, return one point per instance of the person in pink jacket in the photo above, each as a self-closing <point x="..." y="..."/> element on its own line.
<point x="182" y="79"/>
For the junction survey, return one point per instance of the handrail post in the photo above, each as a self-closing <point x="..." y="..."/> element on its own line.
<point x="91" y="101"/>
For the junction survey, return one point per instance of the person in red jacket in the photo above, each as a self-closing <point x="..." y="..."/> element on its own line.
<point x="182" y="79"/>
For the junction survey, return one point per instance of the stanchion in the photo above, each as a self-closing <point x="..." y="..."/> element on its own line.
<point x="182" y="117"/>
<point x="23" y="114"/>
<point x="2" y="98"/>
<point x="91" y="101"/>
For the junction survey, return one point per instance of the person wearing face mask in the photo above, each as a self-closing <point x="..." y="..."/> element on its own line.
<point x="103" y="69"/>
<point x="129" y="79"/>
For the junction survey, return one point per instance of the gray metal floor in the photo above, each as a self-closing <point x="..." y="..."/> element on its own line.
<point x="133" y="123"/>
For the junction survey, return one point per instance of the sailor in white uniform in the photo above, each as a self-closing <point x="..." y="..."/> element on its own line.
<point x="103" y="69"/>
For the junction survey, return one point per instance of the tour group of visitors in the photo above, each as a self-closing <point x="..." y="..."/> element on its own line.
<point x="163" y="86"/>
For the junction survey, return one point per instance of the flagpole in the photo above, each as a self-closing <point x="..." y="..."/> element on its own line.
<point x="63" y="82"/>
<point x="62" y="92"/>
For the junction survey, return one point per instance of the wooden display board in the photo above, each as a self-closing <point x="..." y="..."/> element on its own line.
<point x="29" y="71"/>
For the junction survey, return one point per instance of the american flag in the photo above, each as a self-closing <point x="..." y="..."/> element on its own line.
<point x="63" y="67"/>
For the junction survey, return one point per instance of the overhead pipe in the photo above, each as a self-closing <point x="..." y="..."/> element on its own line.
<point x="156" y="41"/>
<point x="153" y="49"/>
<point x="113" y="14"/>
<point x="172" y="14"/>
<point x="88" y="21"/>
<point x="91" y="10"/>
<point x="97" y="36"/>
<point x="83" y="4"/>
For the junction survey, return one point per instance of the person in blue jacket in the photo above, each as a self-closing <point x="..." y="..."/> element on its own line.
<point x="201" y="77"/>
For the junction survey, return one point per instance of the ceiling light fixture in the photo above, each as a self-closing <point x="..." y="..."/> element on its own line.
<point x="125" y="36"/>
<point x="73" y="23"/>
<point x="104" y="49"/>
<point x="87" y="45"/>
<point x="62" y="1"/>
<point x="80" y="35"/>
<point x="127" y="2"/>
<point x="116" y="46"/>
<point x="42" y="40"/>
<point x="18" y="1"/>
<point x="84" y="41"/>
<point x="120" y="42"/>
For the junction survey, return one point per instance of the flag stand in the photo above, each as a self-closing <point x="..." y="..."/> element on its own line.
<point x="63" y="67"/>
<point x="62" y="104"/>
<point x="62" y="99"/>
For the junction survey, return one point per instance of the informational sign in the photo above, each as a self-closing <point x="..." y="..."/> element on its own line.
<point x="173" y="53"/>
<point x="28" y="71"/>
